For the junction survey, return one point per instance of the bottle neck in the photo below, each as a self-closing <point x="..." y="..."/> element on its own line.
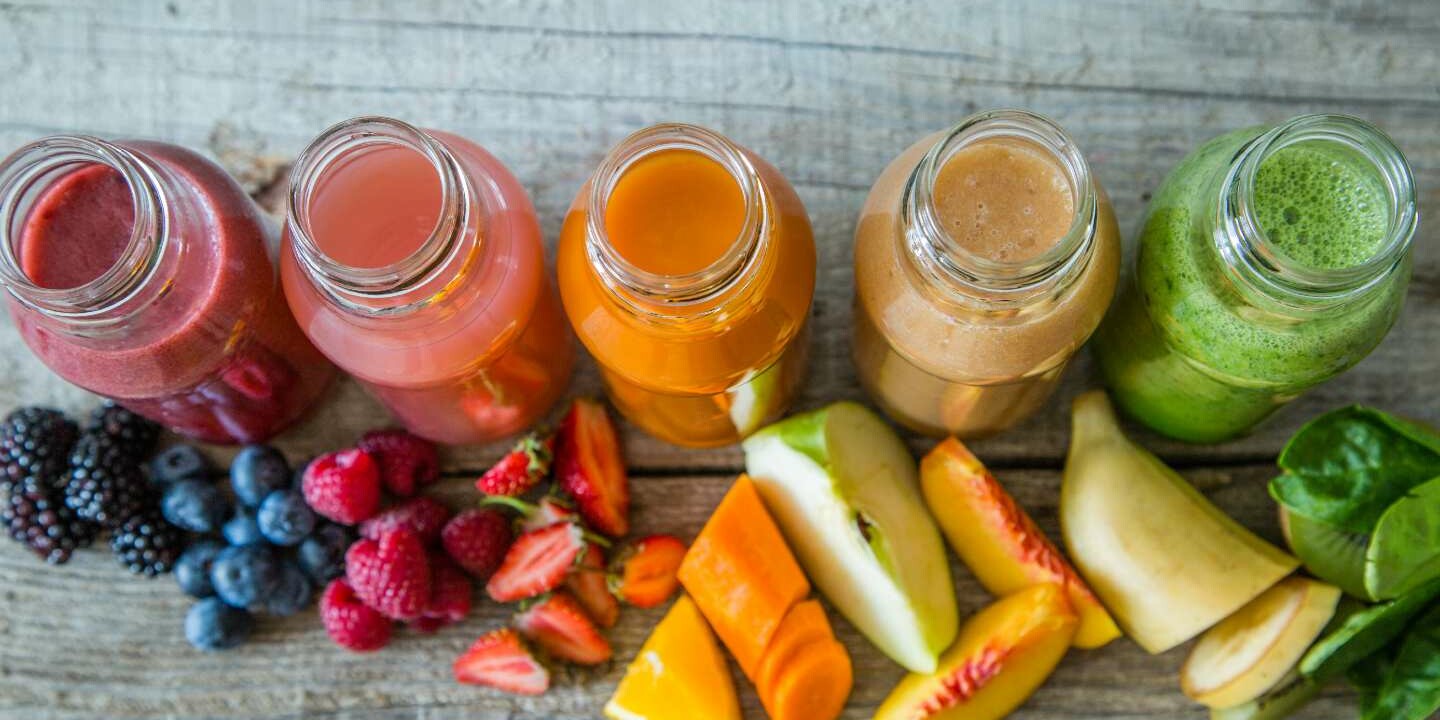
<point x="704" y="295"/>
<point x="1260" y="268"/>
<point x="134" y="278"/>
<point x="958" y="276"/>
<point x="415" y="281"/>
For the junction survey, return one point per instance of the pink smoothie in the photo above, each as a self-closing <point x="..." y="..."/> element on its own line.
<point x="207" y="345"/>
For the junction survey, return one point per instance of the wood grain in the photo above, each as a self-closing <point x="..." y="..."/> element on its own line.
<point x="829" y="91"/>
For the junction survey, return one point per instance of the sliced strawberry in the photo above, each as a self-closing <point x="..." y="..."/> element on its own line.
<point x="537" y="563"/>
<point x="521" y="469"/>
<point x="499" y="659"/>
<point x="533" y="516"/>
<point x="562" y="629"/>
<point x="647" y="572"/>
<point x="588" y="583"/>
<point x="589" y="468"/>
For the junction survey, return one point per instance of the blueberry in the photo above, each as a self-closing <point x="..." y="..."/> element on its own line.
<point x="258" y="471"/>
<point x="213" y="625"/>
<point x="242" y="529"/>
<point x="179" y="462"/>
<point x="298" y="477"/>
<point x="192" y="570"/>
<point x="246" y="576"/>
<point x="284" y="517"/>
<point x="322" y="555"/>
<point x="194" y="505"/>
<point x="293" y="592"/>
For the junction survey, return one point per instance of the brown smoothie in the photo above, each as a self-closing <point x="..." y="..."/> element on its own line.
<point x="941" y="359"/>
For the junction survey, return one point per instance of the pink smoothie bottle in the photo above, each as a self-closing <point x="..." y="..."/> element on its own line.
<point x="142" y="272"/>
<point x="413" y="259"/>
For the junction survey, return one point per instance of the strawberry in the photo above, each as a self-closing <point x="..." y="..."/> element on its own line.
<point x="499" y="659"/>
<point x="422" y="515"/>
<point x="350" y="623"/>
<point x="520" y="470"/>
<point x="537" y="563"/>
<point x="407" y="462"/>
<point x="589" y="468"/>
<point x="562" y="629"/>
<point x="450" y="595"/>
<point x="534" y="516"/>
<point x="477" y="540"/>
<point x="343" y="486"/>
<point x="588" y="583"/>
<point x="391" y="575"/>
<point x="646" y="574"/>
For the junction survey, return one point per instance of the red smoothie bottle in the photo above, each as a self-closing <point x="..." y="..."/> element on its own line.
<point x="142" y="272"/>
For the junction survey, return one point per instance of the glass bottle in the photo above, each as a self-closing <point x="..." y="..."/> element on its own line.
<point x="142" y="272"/>
<point x="414" y="260"/>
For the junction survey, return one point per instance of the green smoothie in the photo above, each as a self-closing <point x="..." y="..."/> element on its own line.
<point x="1195" y="354"/>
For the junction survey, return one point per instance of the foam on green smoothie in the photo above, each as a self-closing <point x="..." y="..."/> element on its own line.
<point x="1321" y="206"/>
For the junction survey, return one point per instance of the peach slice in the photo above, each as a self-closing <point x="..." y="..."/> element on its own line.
<point x="998" y="540"/>
<point x="1004" y="653"/>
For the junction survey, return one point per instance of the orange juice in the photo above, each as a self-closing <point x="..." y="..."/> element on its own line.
<point x="687" y="267"/>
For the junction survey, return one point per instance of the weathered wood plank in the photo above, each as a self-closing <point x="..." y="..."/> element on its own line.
<point x="116" y="651"/>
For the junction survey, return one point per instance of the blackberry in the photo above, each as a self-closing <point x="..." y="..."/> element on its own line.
<point x="135" y="435"/>
<point x="35" y="515"/>
<point x="106" y="485"/>
<point x="147" y="545"/>
<point x="34" y="443"/>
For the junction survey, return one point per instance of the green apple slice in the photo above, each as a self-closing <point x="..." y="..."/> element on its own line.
<point x="845" y="492"/>
<point x="752" y="400"/>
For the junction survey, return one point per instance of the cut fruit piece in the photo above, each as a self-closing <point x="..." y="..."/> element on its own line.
<point x="1250" y="652"/>
<point x="999" y="542"/>
<point x="742" y="575"/>
<point x="752" y="401"/>
<point x="679" y="674"/>
<point x="1003" y="654"/>
<point x="1333" y="555"/>
<point x="844" y="489"/>
<point x="812" y="686"/>
<point x="1291" y="694"/>
<point x="1165" y="561"/>
<point x="589" y="468"/>
<point x="805" y="625"/>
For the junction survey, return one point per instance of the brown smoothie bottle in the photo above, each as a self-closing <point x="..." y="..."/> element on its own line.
<point x="985" y="256"/>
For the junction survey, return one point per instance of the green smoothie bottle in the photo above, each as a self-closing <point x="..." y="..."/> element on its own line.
<point x="1272" y="259"/>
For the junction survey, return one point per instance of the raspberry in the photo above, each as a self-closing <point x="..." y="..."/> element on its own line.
<point x="391" y="575"/>
<point x="450" y="595"/>
<point x="422" y="515"/>
<point x="477" y="540"/>
<point x="407" y="463"/>
<point x="343" y="486"/>
<point x="349" y="622"/>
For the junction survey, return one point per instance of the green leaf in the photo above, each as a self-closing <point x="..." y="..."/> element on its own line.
<point x="1404" y="552"/>
<point x="1368" y="678"/>
<point x="1363" y="631"/>
<point x="1411" y="690"/>
<point x="1347" y="466"/>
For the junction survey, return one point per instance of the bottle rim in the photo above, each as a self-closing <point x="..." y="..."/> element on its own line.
<point x="25" y="175"/>
<point x="360" y="288"/>
<point x="972" y="277"/>
<point x="1246" y="247"/>
<point x="659" y="295"/>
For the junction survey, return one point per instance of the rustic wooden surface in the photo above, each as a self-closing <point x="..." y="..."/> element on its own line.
<point x="829" y="91"/>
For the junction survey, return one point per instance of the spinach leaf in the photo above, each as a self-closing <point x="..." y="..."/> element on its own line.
<point x="1404" y="552"/>
<point x="1347" y="466"/>
<point x="1362" y="631"/>
<point x="1412" y="687"/>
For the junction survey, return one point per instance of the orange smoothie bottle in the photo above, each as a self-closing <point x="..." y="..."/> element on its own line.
<point x="687" y="267"/>
<point x="413" y="260"/>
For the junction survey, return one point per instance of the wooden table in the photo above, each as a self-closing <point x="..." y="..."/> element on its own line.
<point x="829" y="91"/>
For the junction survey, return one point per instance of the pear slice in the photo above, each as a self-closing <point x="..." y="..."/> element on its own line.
<point x="1165" y="561"/>
<point x="1289" y="695"/>
<point x="845" y="492"/>
<point x="1250" y="652"/>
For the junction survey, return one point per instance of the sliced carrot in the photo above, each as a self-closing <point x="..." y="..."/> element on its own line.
<point x="814" y="686"/>
<point x="742" y="575"/>
<point x="804" y="625"/>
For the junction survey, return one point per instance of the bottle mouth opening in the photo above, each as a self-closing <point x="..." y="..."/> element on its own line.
<point x="676" y="289"/>
<point x="24" y="178"/>
<point x="1247" y="244"/>
<point x="327" y="156"/>
<point x="1001" y="279"/>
